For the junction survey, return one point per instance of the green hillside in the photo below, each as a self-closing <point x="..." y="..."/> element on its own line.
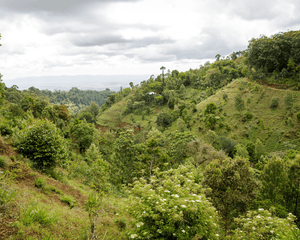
<point x="210" y="153"/>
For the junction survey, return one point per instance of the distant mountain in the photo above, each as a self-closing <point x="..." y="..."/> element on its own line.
<point x="83" y="82"/>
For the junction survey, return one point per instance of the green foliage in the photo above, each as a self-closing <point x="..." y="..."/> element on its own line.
<point x="75" y="99"/>
<point x="210" y="121"/>
<point x="42" y="144"/>
<point x="298" y="116"/>
<point x="239" y="103"/>
<point x="177" y="145"/>
<point x="263" y="225"/>
<point x="289" y="101"/>
<point x="82" y="135"/>
<point x="93" y="206"/>
<point x="231" y="187"/>
<point x="2" y="89"/>
<point x="7" y="194"/>
<point x="152" y="156"/>
<point x="251" y="148"/>
<point x="279" y="52"/>
<point x="210" y="108"/>
<point x="68" y="199"/>
<point x="40" y="182"/>
<point x="164" y="119"/>
<point x="225" y="96"/>
<point x="3" y="161"/>
<point x="171" y="206"/>
<point x="224" y="143"/>
<point x="274" y="102"/>
<point x="37" y="213"/>
<point x="241" y="151"/>
<point x="274" y="180"/>
<point x="124" y="158"/>
<point x="247" y="117"/>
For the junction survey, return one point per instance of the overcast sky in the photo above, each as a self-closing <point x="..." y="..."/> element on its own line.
<point x="130" y="37"/>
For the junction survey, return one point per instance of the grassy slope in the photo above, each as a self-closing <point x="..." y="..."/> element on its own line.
<point x="63" y="222"/>
<point x="274" y="132"/>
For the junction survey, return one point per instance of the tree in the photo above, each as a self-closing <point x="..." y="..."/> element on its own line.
<point x="63" y="113"/>
<point x="82" y="135"/>
<point x="293" y="197"/>
<point x="231" y="186"/>
<point x="241" y="150"/>
<point x="2" y="86"/>
<point x="289" y="101"/>
<point x="274" y="179"/>
<point x="274" y="102"/>
<point x="151" y="156"/>
<point x="239" y="103"/>
<point x="42" y="144"/>
<point x="210" y="108"/>
<point x="124" y="158"/>
<point x="131" y="85"/>
<point x="162" y="69"/>
<point x="94" y="109"/>
<point x="217" y="57"/>
<point x="164" y="119"/>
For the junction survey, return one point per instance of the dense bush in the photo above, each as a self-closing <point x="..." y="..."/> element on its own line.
<point x="172" y="206"/>
<point x="42" y="144"/>
<point x="262" y="224"/>
<point x="274" y="102"/>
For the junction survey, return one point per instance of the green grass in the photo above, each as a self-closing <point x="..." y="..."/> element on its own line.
<point x="38" y="213"/>
<point x="274" y="120"/>
<point x="3" y="161"/>
<point x="68" y="199"/>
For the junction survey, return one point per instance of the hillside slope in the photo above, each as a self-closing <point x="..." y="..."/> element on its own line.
<point x="276" y="127"/>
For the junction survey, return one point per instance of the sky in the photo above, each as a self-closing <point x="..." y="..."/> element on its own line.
<point x="131" y="37"/>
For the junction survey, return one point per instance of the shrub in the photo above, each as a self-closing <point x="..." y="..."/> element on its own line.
<point x="210" y="108"/>
<point x="247" y="117"/>
<point x="298" y="116"/>
<point x="164" y="119"/>
<point x="12" y="158"/>
<point x="68" y="199"/>
<point x="3" y="161"/>
<point x="6" y="195"/>
<point x="274" y="102"/>
<point x="241" y="150"/>
<point x="40" y="182"/>
<point x="171" y="206"/>
<point x="54" y="189"/>
<point x="262" y="224"/>
<point x="42" y="144"/>
<point x="37" y="213"/>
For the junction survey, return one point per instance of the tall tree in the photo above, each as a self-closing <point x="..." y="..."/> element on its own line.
<point x="239" y="103"/>
<point x="231" y="186"/>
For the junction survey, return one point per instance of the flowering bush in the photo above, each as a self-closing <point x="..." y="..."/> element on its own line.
<point x="171" y="206"/>
<point x="261" y="225"/>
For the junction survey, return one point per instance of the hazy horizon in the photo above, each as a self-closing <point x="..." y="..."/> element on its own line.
<point x="83" y="82"/>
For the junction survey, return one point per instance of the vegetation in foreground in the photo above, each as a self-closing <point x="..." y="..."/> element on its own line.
<point x="211" y="153"/>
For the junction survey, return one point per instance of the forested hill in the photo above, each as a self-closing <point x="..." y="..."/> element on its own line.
<point x="209" y="153"/>
<point x="75" y="99"/>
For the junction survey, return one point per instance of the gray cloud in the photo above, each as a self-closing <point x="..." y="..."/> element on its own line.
<point x="212" y="43"/>
<point x="119" y="41"/>
<point x="89" y="41"/>
<point x="55" y="6"/>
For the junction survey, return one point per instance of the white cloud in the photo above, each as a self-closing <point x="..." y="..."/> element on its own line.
<point x="131" y="37"/>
